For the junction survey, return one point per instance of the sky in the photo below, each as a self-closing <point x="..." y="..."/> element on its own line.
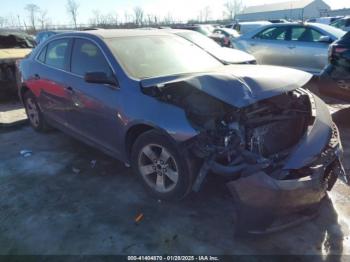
<point x="180" y="10"/>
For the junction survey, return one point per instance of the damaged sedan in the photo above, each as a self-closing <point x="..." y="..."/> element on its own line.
<point x="176" y="114"/>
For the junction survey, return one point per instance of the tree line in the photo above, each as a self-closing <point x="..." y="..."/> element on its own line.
<point x="38" y="19"/>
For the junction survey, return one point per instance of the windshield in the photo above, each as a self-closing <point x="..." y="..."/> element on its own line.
<point x="203" y="30"/>
<point x="202" y="41"/>
<point x="152" y="56"/>
<point x="338" y="33"/>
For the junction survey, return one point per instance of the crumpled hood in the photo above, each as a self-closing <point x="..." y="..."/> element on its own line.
<point x="238" y="85"/>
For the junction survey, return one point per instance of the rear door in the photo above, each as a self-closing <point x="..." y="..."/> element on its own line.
<point x="94" y="106"/>
<point x="269" y="46"/>
<point x="308" y="53"/>
<point x="50" y="76"/>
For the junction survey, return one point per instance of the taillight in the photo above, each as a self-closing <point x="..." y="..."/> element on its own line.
<point x="340" y="50"/>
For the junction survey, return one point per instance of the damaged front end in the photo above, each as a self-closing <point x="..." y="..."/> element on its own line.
<point x="278" y="148"/>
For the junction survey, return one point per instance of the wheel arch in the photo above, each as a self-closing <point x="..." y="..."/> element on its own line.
<point x="132" y="134"/>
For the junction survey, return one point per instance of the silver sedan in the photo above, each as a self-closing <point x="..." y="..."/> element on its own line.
<point x="297" y="45"/>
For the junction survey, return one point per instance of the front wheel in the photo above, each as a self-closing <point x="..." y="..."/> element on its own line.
<point x="162" y="168"/>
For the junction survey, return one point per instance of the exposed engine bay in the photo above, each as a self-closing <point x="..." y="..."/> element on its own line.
<point x="272" y="140"/>
<point x="235" y="142"/>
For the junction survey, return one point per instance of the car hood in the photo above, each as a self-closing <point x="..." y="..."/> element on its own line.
<point x="231" y="56"/>
<point x="236" y="85"/>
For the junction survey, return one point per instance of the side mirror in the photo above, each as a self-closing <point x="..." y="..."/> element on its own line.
<point x="325" y="39"/>
<point x="100" y="78"/>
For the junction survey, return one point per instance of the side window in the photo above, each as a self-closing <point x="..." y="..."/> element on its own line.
<point x="57" y="53"/>
<point x="42" y="55"/>
<point x="347" y="22"/>
<point x="273" y="33"/>
<point x="305" y="34"/>
<point x="87" y="57"/>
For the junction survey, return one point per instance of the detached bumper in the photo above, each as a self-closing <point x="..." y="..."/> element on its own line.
<point x="268" y="203"/>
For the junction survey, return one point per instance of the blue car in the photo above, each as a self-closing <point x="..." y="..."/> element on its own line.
<point x="175" y="113"/>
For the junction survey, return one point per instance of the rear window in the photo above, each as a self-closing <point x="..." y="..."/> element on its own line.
<point x="57" y="53"/>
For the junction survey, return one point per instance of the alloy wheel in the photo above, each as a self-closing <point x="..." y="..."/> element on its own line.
<point x="158" y="168"/>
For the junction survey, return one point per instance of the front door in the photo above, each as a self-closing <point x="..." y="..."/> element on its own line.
<point x="95" y="106"/>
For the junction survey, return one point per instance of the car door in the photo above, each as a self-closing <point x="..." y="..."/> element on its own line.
<point x="94" y="106"/>
<point x="49" y="78"/>
<point x="269" y="46"/>
<point x="308" y="52"/>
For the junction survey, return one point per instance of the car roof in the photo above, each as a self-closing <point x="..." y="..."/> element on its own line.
<point x="113" y="33"/>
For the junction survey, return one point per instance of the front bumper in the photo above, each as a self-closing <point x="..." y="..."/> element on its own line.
<point x="268" y="203"/>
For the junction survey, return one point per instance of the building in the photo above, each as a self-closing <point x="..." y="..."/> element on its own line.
<point x="339" y="12"/>
<point x="294" y="10"/>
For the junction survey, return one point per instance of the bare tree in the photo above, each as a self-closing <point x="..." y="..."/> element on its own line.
<point x="32" y="10"/>
<point x="138" y="15"/>
<point x="232" y="8"/>
<point x="104" y="20"/>
<point x="206" y="13"/>
<point x="3" y="21"/>
<point x="72" y="9"/>
<point x="43" y="19"/>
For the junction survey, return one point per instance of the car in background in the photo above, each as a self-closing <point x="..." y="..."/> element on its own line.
<point x="228" y="35"/>
<point x="302" y="46"/>
<point x="278" y="21"/>
<point x="44" y="35"/>
<point x="175" y="113"/>
<point x="343" y="23"/>
<point x="13" y="47"/>
<point x="245" y="27"/>
<point x="335" y="78"/>
<point x="206" y="30"/>
<point x="224" y="54"/>
<point x="324" y="20"/>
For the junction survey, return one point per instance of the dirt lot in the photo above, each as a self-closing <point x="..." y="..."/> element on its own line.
<point x="56" y="201"/>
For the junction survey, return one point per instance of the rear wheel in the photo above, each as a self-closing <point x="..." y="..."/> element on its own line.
<point x="161" y="166"/>
<point x="34" y="114"/>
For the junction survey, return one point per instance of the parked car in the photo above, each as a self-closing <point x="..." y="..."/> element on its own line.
<point x="224" y="54"/>
<point x="44" y="35"/>
<point x="335" y="78"/>
<point x="13" y="47"/>
<point x="206" y="30"/>
<point x="343" y="23"/>
<point x="245" y="27"/>
<point x="277" y="21"/>
<point x="301" y="46"/>
<point x="175" y="113"/>
<point x="324" y="20"/>
<point x="228" y="34"/>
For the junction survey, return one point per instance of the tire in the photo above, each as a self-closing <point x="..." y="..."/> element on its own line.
<point x="34" y="114"/>
<point x="161" y="166"/>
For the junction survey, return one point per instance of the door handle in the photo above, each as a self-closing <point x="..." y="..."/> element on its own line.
<point x="291" y="47"/>
<point x="36" y="77"/>
<point x="252" y="44"/>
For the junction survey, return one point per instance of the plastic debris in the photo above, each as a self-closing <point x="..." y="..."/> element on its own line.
<point x="26" y="153"/>
<point x="76" y="170"/>
<point x="139" y="218"/>
<point x="93" y="163"/>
